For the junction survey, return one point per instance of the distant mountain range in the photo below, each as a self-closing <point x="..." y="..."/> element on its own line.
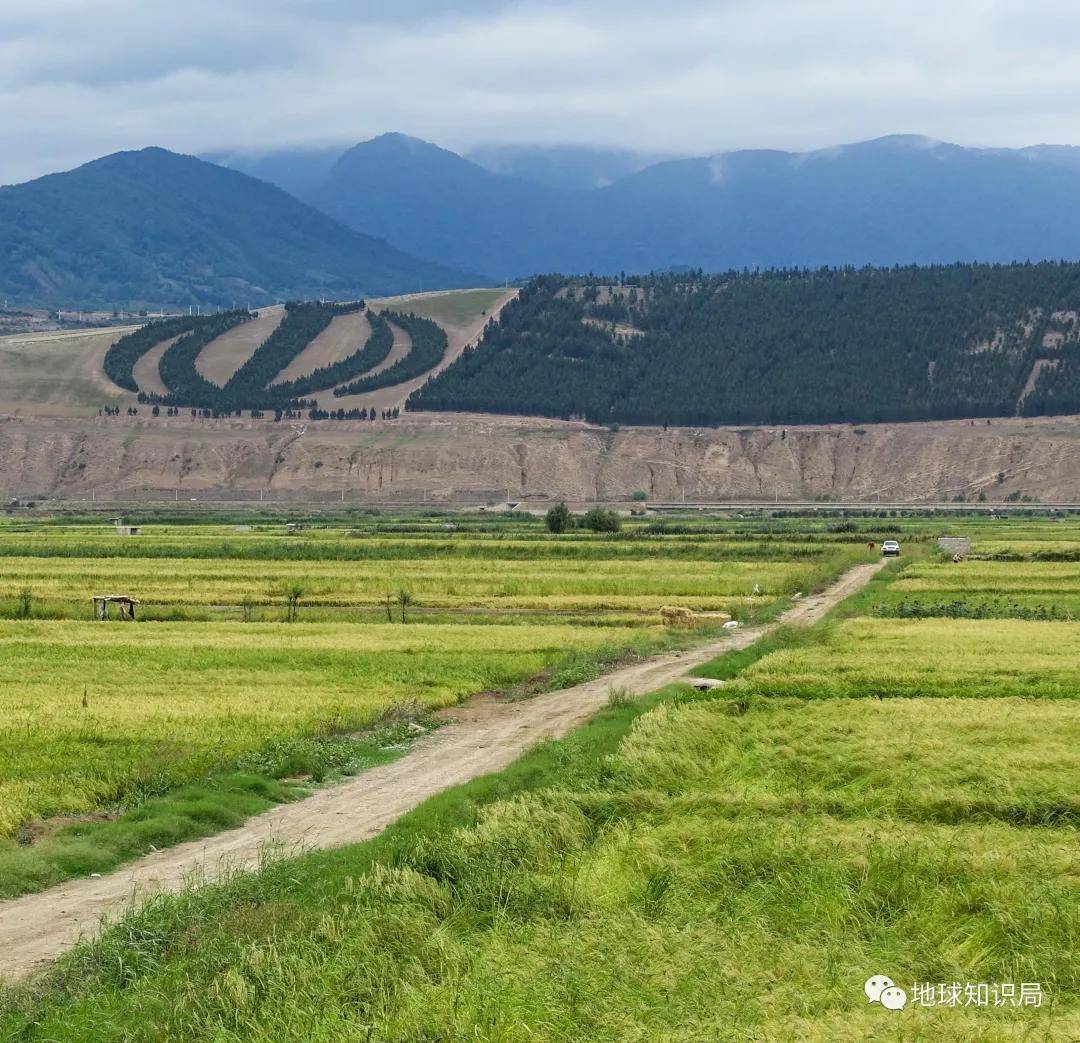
<point x="512" y="212"/>
<point x="151" y="228"/>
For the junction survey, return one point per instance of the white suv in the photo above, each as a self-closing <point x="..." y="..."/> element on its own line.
<point x="890" y="549"/>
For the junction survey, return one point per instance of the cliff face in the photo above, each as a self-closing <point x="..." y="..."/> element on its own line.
<point x="466" y="458"/>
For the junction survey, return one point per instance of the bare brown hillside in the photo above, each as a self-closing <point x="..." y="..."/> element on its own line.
<point x="444" y="457"/>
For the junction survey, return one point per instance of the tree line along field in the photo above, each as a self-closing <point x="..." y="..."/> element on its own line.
<point x="259" y="643"/>
<point x="875" y="796"/>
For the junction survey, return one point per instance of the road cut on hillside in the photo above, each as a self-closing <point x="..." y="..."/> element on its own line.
<point x="485" y="736"/>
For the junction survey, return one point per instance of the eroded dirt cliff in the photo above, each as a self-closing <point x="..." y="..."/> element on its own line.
<point x="472" y="458"/>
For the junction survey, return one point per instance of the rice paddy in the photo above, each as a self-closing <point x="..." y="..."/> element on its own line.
<point x="881" y="796"/>
<point x="169" y="703"/>
<point x="98" y="716"/>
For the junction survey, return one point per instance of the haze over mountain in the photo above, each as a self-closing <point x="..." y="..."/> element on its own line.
<point x="563" y="166"/>
<point x="900" y="199"/>
<point x="153" y="228"/>
<point x="297" y="170"/>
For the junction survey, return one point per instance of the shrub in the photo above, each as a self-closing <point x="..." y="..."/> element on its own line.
<point x="559" y="519"/>
<point x="599" y="519"/>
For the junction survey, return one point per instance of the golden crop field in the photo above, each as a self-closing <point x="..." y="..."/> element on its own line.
<point x="991" y="577"/>
<point x="170" y="701"/>
<point x="637" y="584"/>
<point x="174" y="701"/>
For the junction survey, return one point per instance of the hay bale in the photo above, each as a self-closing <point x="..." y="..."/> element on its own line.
<point x="677" y="616"/>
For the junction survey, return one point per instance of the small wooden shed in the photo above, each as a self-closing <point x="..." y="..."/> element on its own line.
<point x="126" y="605"/>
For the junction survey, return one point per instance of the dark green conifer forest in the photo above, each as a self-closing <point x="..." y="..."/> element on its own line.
<point x="771" y="347"/>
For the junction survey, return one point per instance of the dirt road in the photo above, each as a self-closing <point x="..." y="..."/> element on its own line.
<point x="486" y="735"/>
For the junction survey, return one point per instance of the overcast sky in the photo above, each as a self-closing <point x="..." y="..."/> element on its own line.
<point x="80" y="78"/>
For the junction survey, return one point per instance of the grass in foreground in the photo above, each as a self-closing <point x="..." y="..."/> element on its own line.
<point x="573" y="898"/>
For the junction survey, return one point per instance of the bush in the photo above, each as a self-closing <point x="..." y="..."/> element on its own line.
<point x="559" y="519"/>
<point x="601" y="520"/>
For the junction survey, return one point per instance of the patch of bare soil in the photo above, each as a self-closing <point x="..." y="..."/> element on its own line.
<point x="145" y="371"/>
<point x="379" y="399"/>
<point x="487" y="735"/>
<point x="345" y="336"/>
<point x="1033" y="378"/>
<point x="459" y="337"/>
<point x="46" y="828"/>
<point x="221" y="358"/>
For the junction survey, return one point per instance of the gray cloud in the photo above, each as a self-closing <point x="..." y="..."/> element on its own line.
<point x="79" y="78"/>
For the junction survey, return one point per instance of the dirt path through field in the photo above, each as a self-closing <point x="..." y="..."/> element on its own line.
<point x="486" y="735"/>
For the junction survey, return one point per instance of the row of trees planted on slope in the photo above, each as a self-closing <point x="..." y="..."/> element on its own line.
<point x="245" y="390"/>
<point x="799" y="346"/>
<point x="372" y="354"/>
<point x="187" y="386"/>
<point x="429" y="345"/>
<point x="121" y="357"/>
<point x="303" y="322"/>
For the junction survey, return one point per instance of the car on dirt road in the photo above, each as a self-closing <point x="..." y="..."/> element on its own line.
<point x="890" y="549"/>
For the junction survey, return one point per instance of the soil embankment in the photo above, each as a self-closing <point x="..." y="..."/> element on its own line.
<point x="456" y="458"/>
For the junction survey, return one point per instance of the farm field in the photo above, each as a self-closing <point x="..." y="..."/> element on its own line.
<point x="171" y="703"/>
<point x="986" y="589"/>
<point x="254" y="645"/>
<point x="209" y="567"/>
<point x="883" y="658"/>
<point x="875" y="796"/>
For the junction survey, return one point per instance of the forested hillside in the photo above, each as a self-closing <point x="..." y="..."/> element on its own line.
<point x="153" y="229"/>
<point x="780" y="347"/>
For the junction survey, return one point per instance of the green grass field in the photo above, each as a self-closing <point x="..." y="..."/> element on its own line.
<point x="98" y="718"/>
<point x="169" y="703"/>
<point x="878" y="796"/>
<point x="888" y="658"/>
<point x="690" y="871"/>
